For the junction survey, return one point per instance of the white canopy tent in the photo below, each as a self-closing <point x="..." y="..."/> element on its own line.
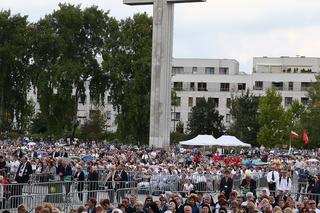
<point x="201" y="140"/>
<point x="227" y="140"/>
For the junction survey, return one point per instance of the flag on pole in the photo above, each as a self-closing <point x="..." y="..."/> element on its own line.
<point x="305" y="137"/>
<point x="294" y="135"/>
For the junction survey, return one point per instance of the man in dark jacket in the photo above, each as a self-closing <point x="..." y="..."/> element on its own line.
<point x="22" y="177"/>
<point x="120" y="177"/>
<point x="226" y="184"/>
<point x="79" y="177"/>
<point x="302" y="181"/>
<point x="93" y="185"/>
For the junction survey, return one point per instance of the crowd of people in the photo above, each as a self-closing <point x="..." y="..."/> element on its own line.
<point x="185" y="180"/>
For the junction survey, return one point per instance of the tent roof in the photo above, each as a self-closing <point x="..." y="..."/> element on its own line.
<point x="227" y="140"/>
<point x="201" y="140"/>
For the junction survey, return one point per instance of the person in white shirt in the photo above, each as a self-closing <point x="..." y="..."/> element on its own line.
<point x="14" y="165"/>
<point x="188" y="187"/>
<point x="284" y="182"/>
<point x="272" y="179"/>
<point x="199" y="179"/>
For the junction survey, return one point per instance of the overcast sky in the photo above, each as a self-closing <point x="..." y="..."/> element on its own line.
<point x="238" y="29"/>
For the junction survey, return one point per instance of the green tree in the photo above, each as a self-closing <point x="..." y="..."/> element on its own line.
<point x="127" y="63"/>
<point x="273" y="120"/>
<point x="95" y="126"/>
<point x="66" y="47"/>
<point x="205" y="119"/>
<point x="244" y="112"/>
<point x="295" y="113"/>
<point x="310" y="120"/>
<point x="15" y="57"/>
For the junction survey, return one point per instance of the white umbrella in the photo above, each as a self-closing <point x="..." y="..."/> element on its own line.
<point x="32" y="144"/>
<point x="313" y="160"/>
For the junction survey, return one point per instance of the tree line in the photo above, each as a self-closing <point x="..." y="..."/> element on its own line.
<point x="56" y="57"/>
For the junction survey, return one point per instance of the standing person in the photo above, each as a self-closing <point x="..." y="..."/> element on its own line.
<point x="79" y="177"/>
<point x="93" y="186"/>
<point x="226" y="184"/>
<point x="249" y="185"/>
<point x="68" y="176"/>
<point x="272" y="179"/>
<point x="110" y="183"/>
<point x="22" y="177"/>
<point x="14" y="164"/>
<point x="284" y="183"/>
<point x="61" y="170"/>
<point x="3" y="166"/>
<point x="303" y="175"/>
<point x="120" y="177"/>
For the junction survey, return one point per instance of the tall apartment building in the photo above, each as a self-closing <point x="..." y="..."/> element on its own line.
<point x="219" y="80"/>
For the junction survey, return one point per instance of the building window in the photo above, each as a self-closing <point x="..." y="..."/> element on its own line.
<point x="198" y="99"/>
<point x="290" y="86"/>
<point x="215" y="101"/>
<point x="189" y="116"/>
<point x="175" y="116"/>
<point x="305" y="86"/>
<point x="228" y="102"/>
<point x="287" y="101"/>
<point x="228" y="118"/>
<point x="223" y="70"/>
<point x="190" y="101"/>
<point x="177" y="86"/>
<point x="209" y="70"/>
<point x="224" y="87"/>
<point x="277" y="85"/>
<point x="108" y="99"/>
<point x="194" y="70"/>
<point x="83" y="100"/>
<point x="241" y="86"/>
<point x="202" y="86"/>
<point x="192" y="86"/>
<point x="258" y="85"/>
<point x="178" y="101"/>
<point x="177" y="70"/>
<point x="108" y="115"/>
<point x="304" y="101"/>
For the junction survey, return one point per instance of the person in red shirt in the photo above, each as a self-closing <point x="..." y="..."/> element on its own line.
<point x="227" y="160"/>
<point x="236" y="161"/>
<point x="216" y="158"/>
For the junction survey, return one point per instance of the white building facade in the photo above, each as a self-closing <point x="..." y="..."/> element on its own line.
<point x="220" y="79"/>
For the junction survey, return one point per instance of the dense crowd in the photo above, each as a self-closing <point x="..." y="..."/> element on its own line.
<point x="179" y="180"/>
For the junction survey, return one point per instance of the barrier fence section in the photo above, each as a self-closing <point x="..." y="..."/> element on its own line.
<point x="71" y="194"/>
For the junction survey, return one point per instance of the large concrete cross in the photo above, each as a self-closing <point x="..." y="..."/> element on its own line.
<point x="160" y="103"/>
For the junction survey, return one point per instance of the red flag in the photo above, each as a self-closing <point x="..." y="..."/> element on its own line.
<point x="305" y="137"/>
<point x="294" y="135"/>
